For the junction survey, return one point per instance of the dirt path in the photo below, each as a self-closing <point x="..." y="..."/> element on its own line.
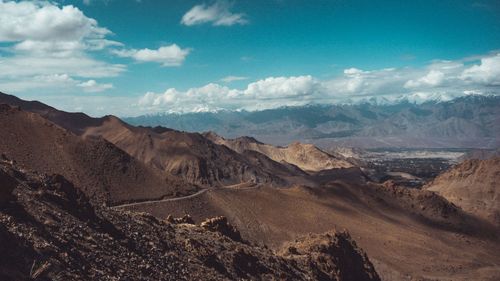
<point x="239" y="186"/>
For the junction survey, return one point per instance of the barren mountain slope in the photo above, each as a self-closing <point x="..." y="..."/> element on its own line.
<point x="50" y="231"/>
<point x="474" y="185"/>
<point x="101" y="169"/>
<point x="305" y="156"/>
<point x="74" y="122"/>
<point x="187" y="155"/>
<point x="406" y="233"/>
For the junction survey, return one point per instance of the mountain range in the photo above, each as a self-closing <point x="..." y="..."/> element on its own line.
<point x="465" y="122"/>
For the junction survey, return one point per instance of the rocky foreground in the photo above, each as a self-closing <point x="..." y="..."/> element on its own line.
<point x="50" y="231"/>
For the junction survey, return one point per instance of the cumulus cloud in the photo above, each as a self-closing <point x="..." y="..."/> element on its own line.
<point x="487" y="72"/>
<point x="43" y="22"/>
<point x="433" y="78"/>
<point x="92" y="86"/>
<point x="218" y="14"/>
<point x="171" y="55"/>
<point x="48" y="46"/>
<point x="439" y="80"/>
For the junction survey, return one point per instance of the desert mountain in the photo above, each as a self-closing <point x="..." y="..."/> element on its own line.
<point x="469" y="122"/>
<point x="74" y="122"/>
<point x="187" y="155"/>
<point x="190" y="156"/>
<point x="50" y="231"/>
<point x="305" y="156"/>
<point x="101" y="169"/>
<point x="474" y="185"/>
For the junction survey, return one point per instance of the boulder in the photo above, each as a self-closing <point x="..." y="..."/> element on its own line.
<point x="221" y="225"/>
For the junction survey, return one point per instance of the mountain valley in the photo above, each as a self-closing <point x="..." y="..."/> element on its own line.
<point x="273" y="202"/>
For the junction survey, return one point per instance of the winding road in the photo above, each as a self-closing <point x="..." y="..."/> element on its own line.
<point x="231" y="187"/>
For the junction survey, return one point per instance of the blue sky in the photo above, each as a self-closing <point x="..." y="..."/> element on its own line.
<point x="132" y="57"/>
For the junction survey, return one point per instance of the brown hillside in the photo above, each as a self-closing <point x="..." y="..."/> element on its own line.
<point x="305" y="156"/>
<point x="187" y="155"/>
<point x="474" y="185"/>
<point x="408" y="234"/>
<point x="100" y="168"/>
<point x="74" y="122"/>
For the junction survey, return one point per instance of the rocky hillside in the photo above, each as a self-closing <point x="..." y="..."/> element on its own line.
<point x="189" y="156"/>
<point x="101" y="169"/>
<point x="305" y="156"/>
<point x="50" y="231"/>
<point x="474" y="185"/>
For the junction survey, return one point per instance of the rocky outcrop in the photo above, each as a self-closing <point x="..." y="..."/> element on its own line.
<point x="187" y="219"/>
<point x="332" y="256"/>
<point x="222" y="226"/>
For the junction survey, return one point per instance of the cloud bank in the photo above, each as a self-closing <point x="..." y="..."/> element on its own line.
<point x="441" y="80"/>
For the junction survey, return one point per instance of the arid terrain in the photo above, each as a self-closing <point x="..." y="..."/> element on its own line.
<point x="50" y="231"/>
<point x="97" y="198"/>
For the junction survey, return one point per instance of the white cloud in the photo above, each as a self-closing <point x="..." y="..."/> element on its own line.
<point x="353" y="85"/>
<point x="272" y="88"/>
<point x="440" y="80"/>
<point x="263" y="94"/>
<point x="64" y="83"/>
<point x="231" y="78"/>
<point x="43" y="40"/>
<point x="42" y="21"/>
<point x="92" y="86"/>
<point x="171" y="55"/>
<point x="23" y="67"/>
<point x="218" y="14"/>
<point x="487" y="72"/>
<point x="45" y="28"/>
<point x="433" y="78"/>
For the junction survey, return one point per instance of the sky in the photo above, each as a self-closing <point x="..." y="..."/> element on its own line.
<point x="133" y="57"/>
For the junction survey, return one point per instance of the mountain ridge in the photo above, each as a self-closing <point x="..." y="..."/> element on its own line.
<point x="468" y="122"/>
<point x="305" y="156"/>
